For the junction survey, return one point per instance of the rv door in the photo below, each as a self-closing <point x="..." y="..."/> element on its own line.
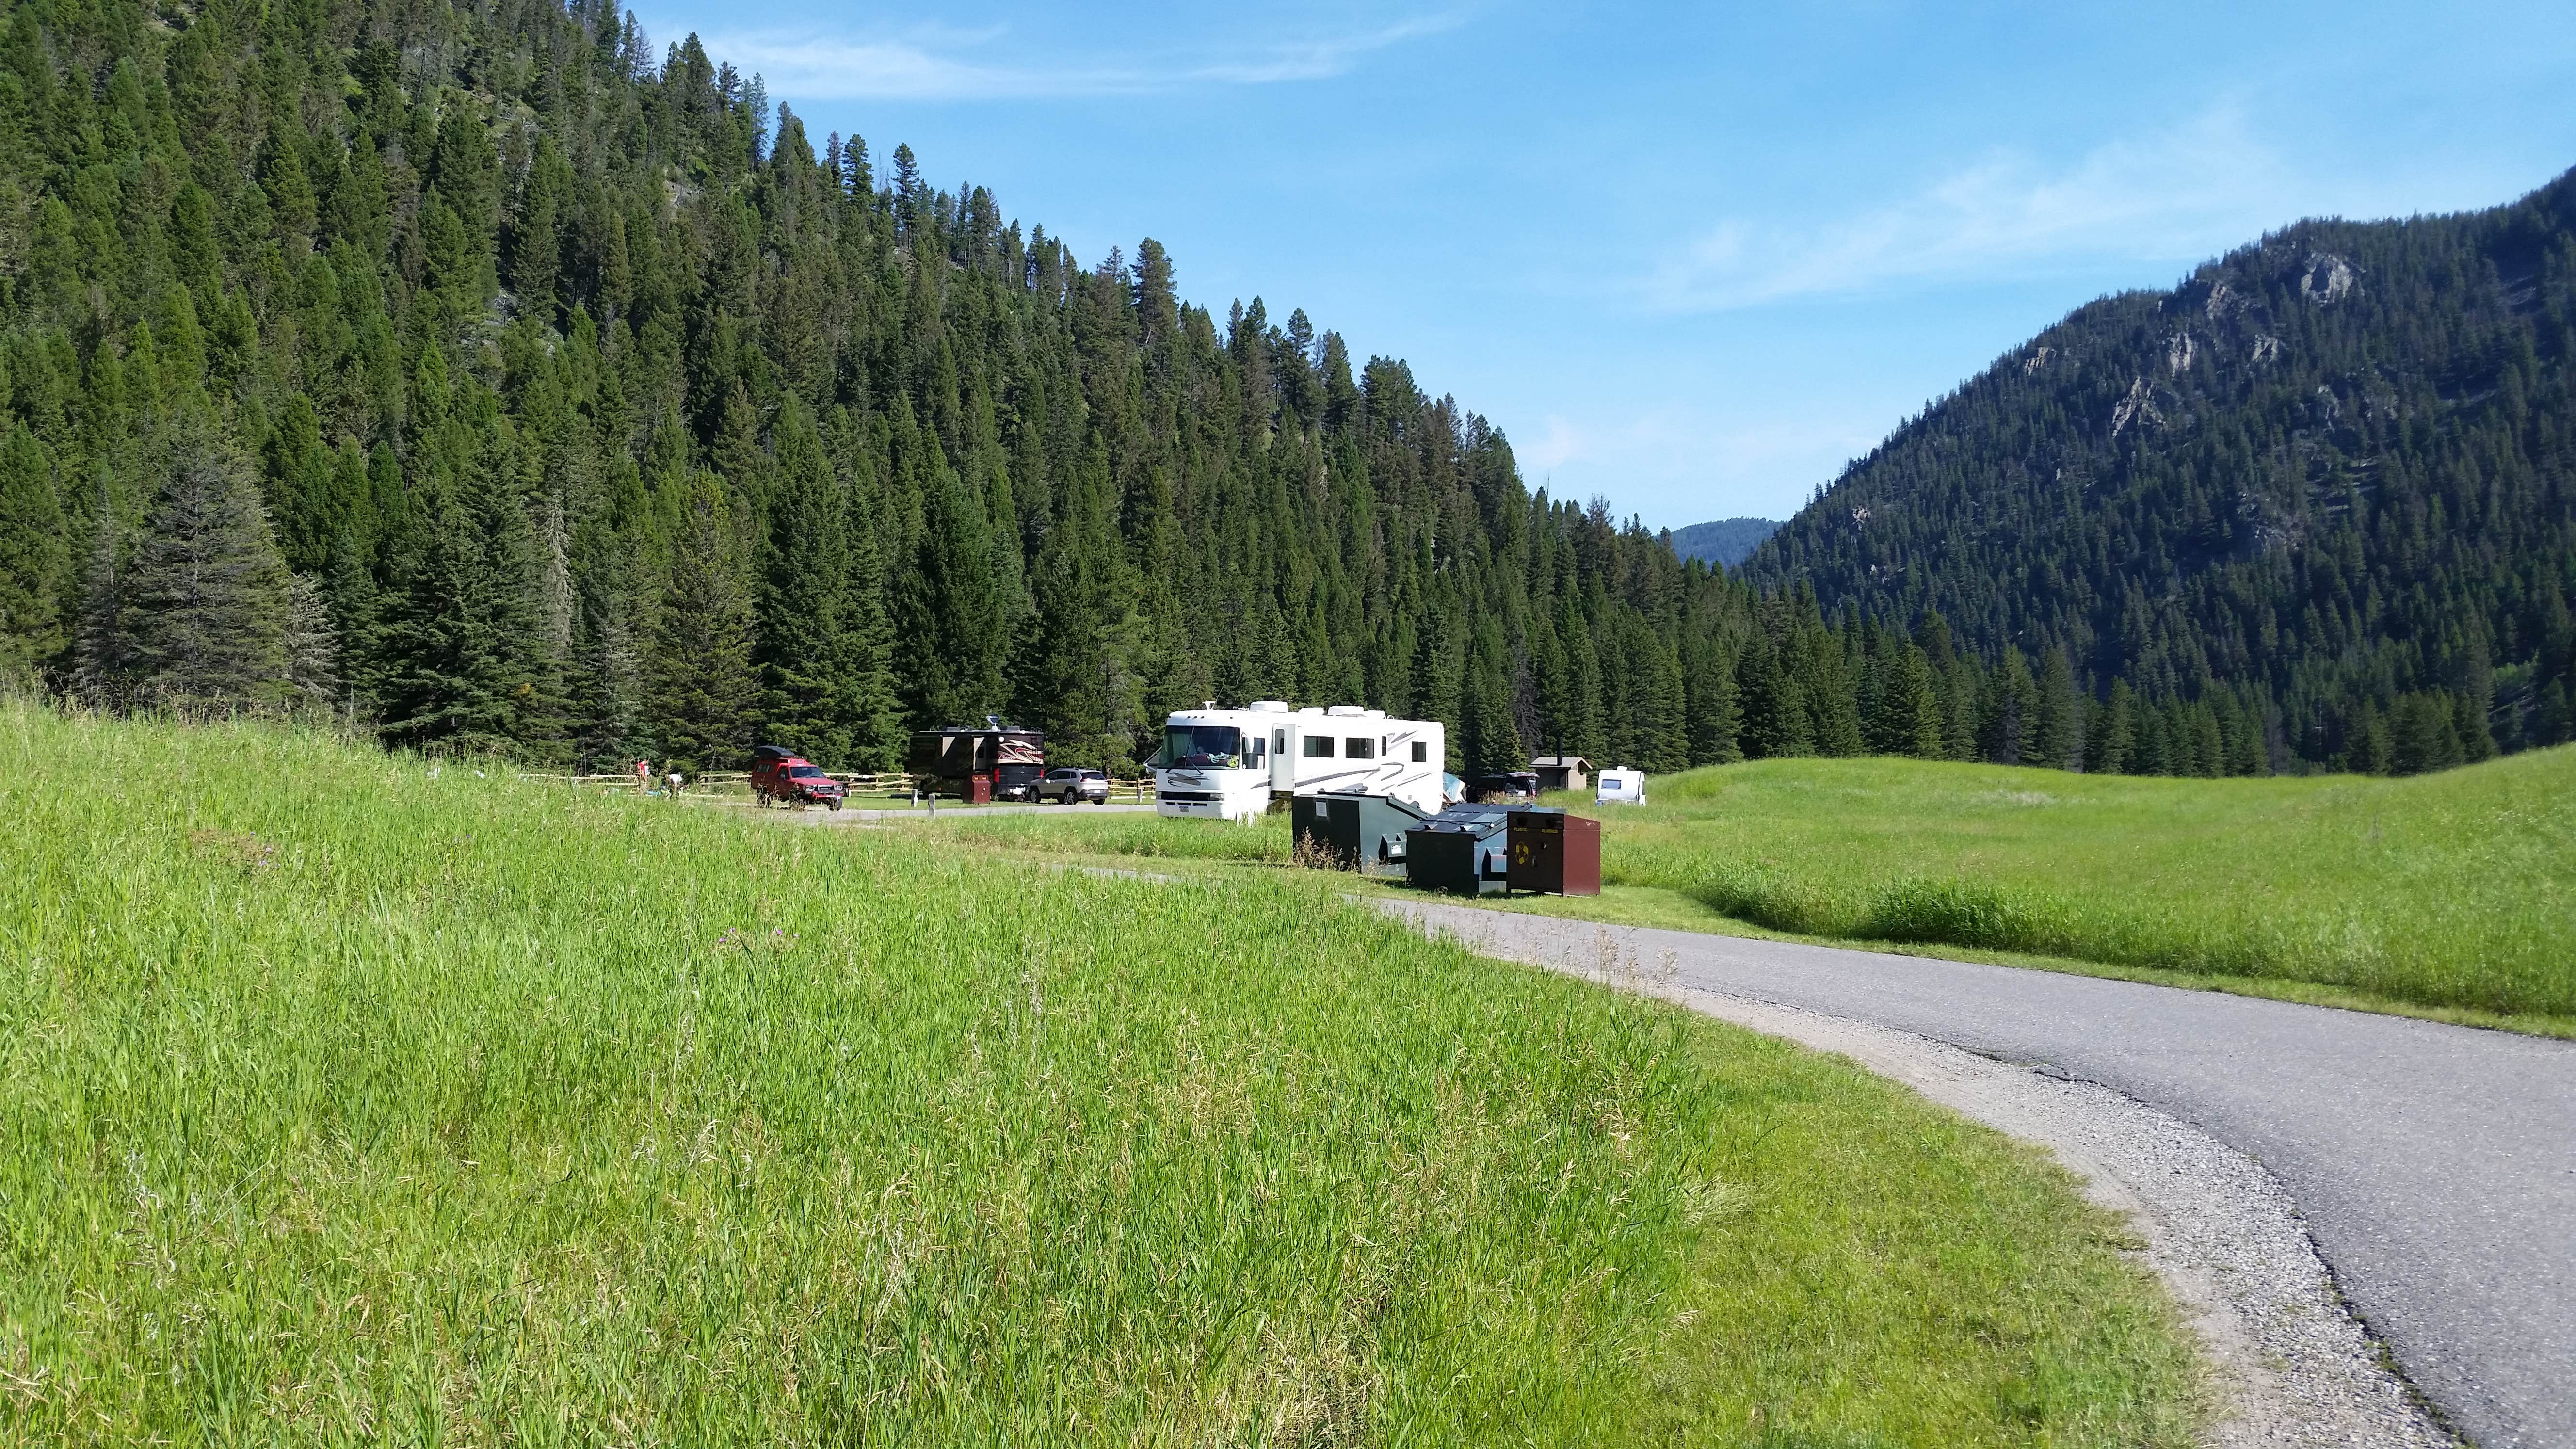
<point x="1283" y="762"/>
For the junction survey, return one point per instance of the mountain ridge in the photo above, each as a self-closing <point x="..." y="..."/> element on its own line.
<point x="1725" y="542"/>
<point x="2332" y="466"/>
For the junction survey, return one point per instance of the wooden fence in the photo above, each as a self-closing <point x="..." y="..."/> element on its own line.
<point x="1140" y="792"/>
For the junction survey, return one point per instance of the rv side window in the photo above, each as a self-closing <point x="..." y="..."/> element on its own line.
<point x="1421" y="751"/>
<point x="1319" y="747"/>
<point x="1252" y="752"/>
<point x="1360" y="747"/>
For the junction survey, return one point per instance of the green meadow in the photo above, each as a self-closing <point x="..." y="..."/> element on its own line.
<point x="2449" y="893"/>
<point x="340" y="1102"/>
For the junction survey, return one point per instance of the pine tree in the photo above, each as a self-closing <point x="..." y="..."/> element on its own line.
<point x="804" y="650"/>
<point x="311" y="645"/>
<point x="2111" y="744"/>
<point x="2006" y="730"/>
<point x="206" y="599"/>
<point x="2056" y="736"/>
<point x="1911" y="719"/>
<point x="1490" y="742"/>
<point x="34" y="559"/>
<point x="703" y="690"/>
<point x="463" y="638"/>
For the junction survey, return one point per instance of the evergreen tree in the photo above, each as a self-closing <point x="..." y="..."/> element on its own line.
<point x="1910" y="720"/>
<point x="804" y="652"/>
<point x="311" y="645"/>
<point x="2056" y="736"/>
<point x="2111" y="745"/>
<point x="1490" y="742"/>
<point x="34" y="559"/>
<point x="702" y="687"/>
<point x="2006" y="733"/>
<point x="463" y="640"/>
<point x="206" y="600"/>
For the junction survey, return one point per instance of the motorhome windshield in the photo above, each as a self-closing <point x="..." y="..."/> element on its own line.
<point x="1203" y="747"/>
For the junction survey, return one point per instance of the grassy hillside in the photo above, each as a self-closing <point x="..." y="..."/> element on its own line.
<point x="338" y="1100"/>
<point x="2450" y="891"/>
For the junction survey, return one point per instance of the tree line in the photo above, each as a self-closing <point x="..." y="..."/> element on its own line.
<point x="492" y="383"/>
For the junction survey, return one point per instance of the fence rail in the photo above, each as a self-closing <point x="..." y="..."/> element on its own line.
<point x="1140" y="792"/>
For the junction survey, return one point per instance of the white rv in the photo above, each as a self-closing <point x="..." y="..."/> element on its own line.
<point x="1229" y="762"/>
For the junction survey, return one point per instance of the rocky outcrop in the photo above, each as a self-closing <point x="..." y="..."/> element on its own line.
<point x="2178" y="354"/>
<point x="2138" y="407"/>
<point x="2326" y="278"/>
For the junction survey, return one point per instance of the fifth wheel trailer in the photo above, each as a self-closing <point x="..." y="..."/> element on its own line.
<point x="996" y="762"/>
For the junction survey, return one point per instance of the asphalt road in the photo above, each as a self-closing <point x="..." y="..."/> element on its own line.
<point x="2435" y="1165"/>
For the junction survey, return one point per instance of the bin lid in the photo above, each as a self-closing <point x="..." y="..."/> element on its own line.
<point x="1476" y="820"/>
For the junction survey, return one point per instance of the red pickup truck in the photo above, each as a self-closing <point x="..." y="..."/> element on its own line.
<point x="782" y="777"/>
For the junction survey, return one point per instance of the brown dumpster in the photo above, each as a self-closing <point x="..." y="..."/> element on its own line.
<point x="1554" y="852"/>
<point x="979" y="790"/>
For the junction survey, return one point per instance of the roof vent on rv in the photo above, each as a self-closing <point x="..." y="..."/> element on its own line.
<point x="1268" y="706"/>
<point x="1344" y="711"/>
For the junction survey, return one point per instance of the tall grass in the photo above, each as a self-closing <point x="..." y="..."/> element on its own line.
<point x="339" y="1102"/>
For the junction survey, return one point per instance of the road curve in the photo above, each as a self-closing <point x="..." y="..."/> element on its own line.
<point x="2435" y="1165"/>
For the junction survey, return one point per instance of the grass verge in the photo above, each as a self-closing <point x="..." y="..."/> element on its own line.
<point x="342" y="1102"/>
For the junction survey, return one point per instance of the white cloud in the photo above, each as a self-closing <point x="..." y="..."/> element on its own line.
<point x="942" y="65"/>
<point x="2182" y="195"/>
<point x="1558" y="445"/>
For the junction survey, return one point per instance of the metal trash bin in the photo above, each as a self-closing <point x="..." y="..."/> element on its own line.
<point x="1460" y="850"/>
<point x="1352" y="831"/>
<point x="1554" y="852"/>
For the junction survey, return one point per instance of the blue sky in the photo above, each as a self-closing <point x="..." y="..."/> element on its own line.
<point x="1687" y="258"/>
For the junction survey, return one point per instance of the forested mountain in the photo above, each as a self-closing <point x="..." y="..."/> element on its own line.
<point x="492" y="382"/>
<point x="1726" y="542"/>
<point x="489" y="379"/>
<point x="2331" y="478"/>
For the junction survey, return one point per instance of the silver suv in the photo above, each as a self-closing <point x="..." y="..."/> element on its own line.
<point x="1072" y="787"/>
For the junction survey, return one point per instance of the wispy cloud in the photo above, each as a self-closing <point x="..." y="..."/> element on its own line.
<point x="2179" y="195"/>
<point x="948" y="65"/>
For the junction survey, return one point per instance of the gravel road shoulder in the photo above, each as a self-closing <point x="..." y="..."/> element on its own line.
<point x="2292" y="1365"/>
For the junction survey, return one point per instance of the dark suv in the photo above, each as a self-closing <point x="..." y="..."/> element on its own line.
<point x="1072" y="787"/>
<point x="782" y="777"/>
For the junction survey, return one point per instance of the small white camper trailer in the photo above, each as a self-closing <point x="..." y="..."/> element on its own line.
<point x="1621" y="787"/>
<point x="1228" y="763"/>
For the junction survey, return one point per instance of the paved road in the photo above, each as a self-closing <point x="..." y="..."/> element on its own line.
<point x="2436" y="1165"/>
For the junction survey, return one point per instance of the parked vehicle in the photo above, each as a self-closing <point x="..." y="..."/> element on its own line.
<point x="783" y="777"/>
<point x="1230" y="763"/>
<point x="1072" y="787"/>
<point x="1621" y="787"/>
<point x="1506" y="786"/>
<point x="993" y="763"/>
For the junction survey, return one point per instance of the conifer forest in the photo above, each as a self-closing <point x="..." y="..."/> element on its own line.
<point x="491" y="379"/>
